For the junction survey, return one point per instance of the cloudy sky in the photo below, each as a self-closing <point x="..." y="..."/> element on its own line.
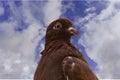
<point x="23" y="25"/>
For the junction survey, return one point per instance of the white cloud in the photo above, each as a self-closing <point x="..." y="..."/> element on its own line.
<point x="81" y="21"/>
<point x="90" y="9"/>
<point x="17" y="49"/>
<point x="110" y="11"/>
<point x="69" y="5"/>
<point x="102" y="42"/>
<point x="1" y="10"/>
<point x="52" y="10"/>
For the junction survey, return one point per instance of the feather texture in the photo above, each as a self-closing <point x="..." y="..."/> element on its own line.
<point x="60" y="59"/>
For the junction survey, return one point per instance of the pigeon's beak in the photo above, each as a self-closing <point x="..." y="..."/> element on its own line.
<point x="73" y="31"/>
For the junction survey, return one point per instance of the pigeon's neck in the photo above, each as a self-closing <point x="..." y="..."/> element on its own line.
<point x="54" y="45"/>
<point x="54" y="41"/>
<point x="62" y="38"/>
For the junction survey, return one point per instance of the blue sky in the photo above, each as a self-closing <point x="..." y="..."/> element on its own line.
<point x="23" y="25"/>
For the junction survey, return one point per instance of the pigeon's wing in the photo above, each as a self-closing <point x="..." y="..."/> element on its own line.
<point x="76" y="69"/>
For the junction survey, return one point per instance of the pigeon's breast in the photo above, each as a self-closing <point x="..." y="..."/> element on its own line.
<point x="52" y="59"/>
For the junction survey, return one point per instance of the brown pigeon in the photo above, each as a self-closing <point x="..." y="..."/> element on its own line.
<point x="60" y="59"/>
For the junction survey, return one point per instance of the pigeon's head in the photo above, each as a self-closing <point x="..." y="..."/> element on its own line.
<point x="60" y="29"/>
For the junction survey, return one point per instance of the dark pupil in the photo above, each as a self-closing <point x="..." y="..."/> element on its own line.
<point x="57" y="26"/>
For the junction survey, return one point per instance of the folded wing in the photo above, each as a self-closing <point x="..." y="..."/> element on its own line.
<point x="76" y="69"/>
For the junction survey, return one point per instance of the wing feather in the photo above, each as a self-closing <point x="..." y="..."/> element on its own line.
<point x="76" y="69"/>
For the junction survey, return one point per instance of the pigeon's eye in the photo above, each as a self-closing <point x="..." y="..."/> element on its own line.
<point x="57" y="26"/>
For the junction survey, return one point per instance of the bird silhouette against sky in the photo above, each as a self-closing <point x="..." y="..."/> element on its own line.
<point x="60" y="59"/>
